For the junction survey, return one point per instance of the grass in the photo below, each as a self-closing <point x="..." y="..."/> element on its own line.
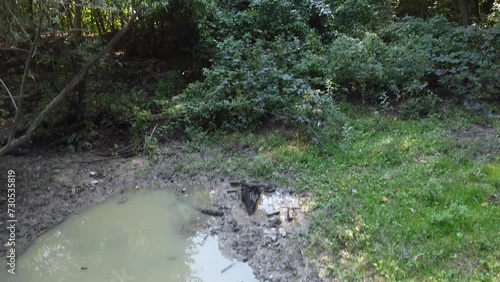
<point x="395" y="199"/>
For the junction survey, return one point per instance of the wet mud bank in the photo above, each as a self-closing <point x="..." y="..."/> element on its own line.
<point x="53" y="186"/>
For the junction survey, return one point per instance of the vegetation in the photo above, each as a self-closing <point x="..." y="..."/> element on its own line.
<point x="394" y="199"/>
<point x="370" y="98"/>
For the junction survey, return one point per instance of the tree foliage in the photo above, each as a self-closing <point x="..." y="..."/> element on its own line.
<point x="239" y="64"/>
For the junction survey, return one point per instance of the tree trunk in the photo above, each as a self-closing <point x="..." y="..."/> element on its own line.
<point x="78" y="21"/>
<point x="474" y="10"/>
<point x="464" y="10"/>
<point x="80" y="88"/>
<point x="30" y="9"/>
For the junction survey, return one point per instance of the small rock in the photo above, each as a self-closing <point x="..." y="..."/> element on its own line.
<point x="93" y="173"/>
<point x="73" y="190"/>
<point x="94" y="182"/>
<point x="136" y="187"/>
<point x="413" y="210"/>
<point x="274" y="222"/>
<point x="282" y="232"/>
<point x="183" y="190"/>
<point x="354" y="191"/>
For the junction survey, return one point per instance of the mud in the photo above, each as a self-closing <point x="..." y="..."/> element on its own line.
<point x="55" y="185"/>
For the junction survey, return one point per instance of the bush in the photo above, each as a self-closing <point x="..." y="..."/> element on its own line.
<point x="247" y="86"/>
<point x="463" y="63"/>
<point x="366" y="68"/>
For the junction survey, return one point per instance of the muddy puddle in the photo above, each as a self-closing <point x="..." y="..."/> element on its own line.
<point x="146" y="236"/>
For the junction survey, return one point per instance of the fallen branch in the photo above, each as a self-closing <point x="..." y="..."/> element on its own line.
<point x="14" y="143"/>
<point x="23" y="82"/>
<point x="212" y="212"/>
<point x="10" y="94"/>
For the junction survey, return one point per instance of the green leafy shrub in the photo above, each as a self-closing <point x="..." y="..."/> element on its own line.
<point x="463" y="63"/>
<point x="267" y="19"/>
<point x="355" y="17"/>
<point x="367" y="67"/>
<point x="247" y="86"/>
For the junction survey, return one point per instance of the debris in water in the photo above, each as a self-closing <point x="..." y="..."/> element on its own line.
<point x="122" y="200"/>
<point x="225" y="269"/>
<point x="250" y="195"/>
<point x="84" y="268"/>
<point x="212" y="212"/>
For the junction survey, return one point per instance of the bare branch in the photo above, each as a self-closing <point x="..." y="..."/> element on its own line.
<point x="41" y="116"/>
<point x="25" y="75"/>
<point x="17" y="21"/>
<point x="10" y="95"/>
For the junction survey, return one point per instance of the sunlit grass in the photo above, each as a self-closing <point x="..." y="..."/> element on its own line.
<point x="394" y="199"/>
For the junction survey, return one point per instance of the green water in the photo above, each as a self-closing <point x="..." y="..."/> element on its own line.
<point x="152" y="237"/>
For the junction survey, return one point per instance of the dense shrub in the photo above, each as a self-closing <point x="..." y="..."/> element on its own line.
<point x="367" y="67"/>
<point x="463" y="63"/>
<point x="245" y="87"/>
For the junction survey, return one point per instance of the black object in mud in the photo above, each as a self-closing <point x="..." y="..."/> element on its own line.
<point x="250" y="195"/>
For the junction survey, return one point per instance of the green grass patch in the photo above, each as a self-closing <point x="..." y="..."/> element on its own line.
<point x="398" y="199"/>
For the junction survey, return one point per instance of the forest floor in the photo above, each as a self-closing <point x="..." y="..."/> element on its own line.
<point x="393" y="199"/>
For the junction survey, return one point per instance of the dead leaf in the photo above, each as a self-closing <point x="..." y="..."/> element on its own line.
<point x="485" y="204"/>
<point x="384" y="199"/>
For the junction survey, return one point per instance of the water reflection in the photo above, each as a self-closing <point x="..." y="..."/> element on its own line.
<point x="144" y="239"/>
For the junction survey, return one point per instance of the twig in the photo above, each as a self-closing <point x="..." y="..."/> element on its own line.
<point x="39" y="158"/>
<point x="153" y="131"/>
<point x="10" y="95"/>
<point x="225" y="269"/>
<point x="103" y="159"/>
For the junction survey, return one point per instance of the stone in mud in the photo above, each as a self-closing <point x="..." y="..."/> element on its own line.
<point x="250" y="195"/>
<point x="275" y="222"/>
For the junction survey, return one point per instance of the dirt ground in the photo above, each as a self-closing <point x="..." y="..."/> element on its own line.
<point x="53" y="185"/>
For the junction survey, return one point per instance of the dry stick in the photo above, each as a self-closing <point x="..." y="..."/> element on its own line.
<point x="10" y="95"/>
<point x="41" y="116"/>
